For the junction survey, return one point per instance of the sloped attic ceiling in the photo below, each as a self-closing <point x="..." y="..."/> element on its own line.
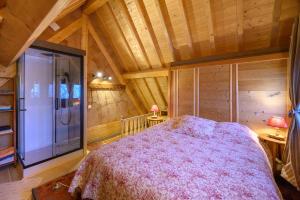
<point x="150" y="34"/>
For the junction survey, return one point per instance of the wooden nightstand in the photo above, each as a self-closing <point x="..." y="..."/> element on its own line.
<point x="153" y="121"/>
<point x="276" y="147"/>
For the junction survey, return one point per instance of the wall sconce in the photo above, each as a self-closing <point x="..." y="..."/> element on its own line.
<point x="101" y="76"/>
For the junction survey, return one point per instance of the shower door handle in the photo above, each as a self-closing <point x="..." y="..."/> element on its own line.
<point x="56" y="103"/>
<point x="21" y="106"/>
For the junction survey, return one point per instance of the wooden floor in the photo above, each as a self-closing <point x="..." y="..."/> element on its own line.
<point x="12" y="187"/>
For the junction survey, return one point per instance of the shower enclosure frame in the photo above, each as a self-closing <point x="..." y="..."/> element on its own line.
<point x="60" y="49"/>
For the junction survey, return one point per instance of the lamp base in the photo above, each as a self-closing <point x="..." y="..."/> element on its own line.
<point x="154" y="116"/>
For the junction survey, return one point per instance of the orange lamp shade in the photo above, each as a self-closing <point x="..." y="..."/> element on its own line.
<point x="277" y="122"/>
<point x="154" y="108"/>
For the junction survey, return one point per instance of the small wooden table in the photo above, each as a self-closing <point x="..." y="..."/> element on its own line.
<point x="276" y="146"/>
<point x="153" y="121"/>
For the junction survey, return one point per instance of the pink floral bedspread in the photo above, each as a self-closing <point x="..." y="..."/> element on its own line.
<point x="181" y="159"/>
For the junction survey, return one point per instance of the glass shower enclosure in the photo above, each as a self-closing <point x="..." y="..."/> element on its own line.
<point x="50" y="104"/>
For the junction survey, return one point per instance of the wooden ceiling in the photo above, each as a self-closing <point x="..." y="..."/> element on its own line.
<point x="143" y="35"/>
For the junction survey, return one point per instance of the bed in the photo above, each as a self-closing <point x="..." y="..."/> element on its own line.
<point x="180" y="159"/>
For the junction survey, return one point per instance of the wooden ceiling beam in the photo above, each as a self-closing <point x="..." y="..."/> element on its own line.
<point x="70" y="8"/>
<point x="137" y="87"/>
<point x="19" y="31"/>
<point x="93" y="5"/>
<point x="143" y="12"/>
<point x="162" y="7"/>
<point x="240" y="24"/>
<point x="113" y="66"/>
<point x="275" y="23"/>
<point x="66" y="32"/>
<point x="234" y="58"/>
<point x="164" y="72"/>
<point x="141" y="46"/>
<point x="183" y="9"/>
<point x="210" y="24"/>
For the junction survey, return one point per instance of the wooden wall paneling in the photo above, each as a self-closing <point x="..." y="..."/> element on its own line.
<point x="186" y="93"/>
<point x="214" y="87"/>
<point x="174" y="93"/>
<point x="103" y="131"/>
<point x="66" y="32"/>
<point x="234" y="106"/>
<point x="170" y="94"/>
<point x="113" y="66"/>
<point x="10" y="71"/>
<point x="262" y="93"/>
<point x="163" y="83"/>
<point x="140" y="93"/>
<point x="19" y="30"/>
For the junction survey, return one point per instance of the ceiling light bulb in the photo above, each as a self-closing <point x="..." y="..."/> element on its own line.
<point x="110" y="78"/>
<point x="99" y="74"/>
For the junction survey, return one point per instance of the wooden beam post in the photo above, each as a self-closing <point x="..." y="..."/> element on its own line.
<point x="147" y="74"/>
<point x="66" y="32"/>
<point x="19" y="31"/>
<point x="113" y="66"/>
<point x="70" y="8"/>
<point x="84" y="46"/>
<point x="93" y="5"/>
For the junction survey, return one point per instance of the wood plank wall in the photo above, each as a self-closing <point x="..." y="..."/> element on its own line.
<point x="247" y="93"/>
<point x="262" y="92"/>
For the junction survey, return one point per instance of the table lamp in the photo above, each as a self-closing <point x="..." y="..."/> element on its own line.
<point x="277" y="123"/>
<point x="154" y="109"/>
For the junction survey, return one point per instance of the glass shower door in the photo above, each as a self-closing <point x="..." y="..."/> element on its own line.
<point x="35" y="115"/>
<point x="67" y="104"/>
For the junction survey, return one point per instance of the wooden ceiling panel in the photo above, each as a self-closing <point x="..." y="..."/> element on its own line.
<point x="63" y="23"/>
<point x="158" y="25"/>
<point x="122" y="18"/>
<point x="73" y="40"/>
<point x="147" y="40"/>
<point x="179" y="22"/>
<point x="115" y="35"/>
<point x="150" y="34"/>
